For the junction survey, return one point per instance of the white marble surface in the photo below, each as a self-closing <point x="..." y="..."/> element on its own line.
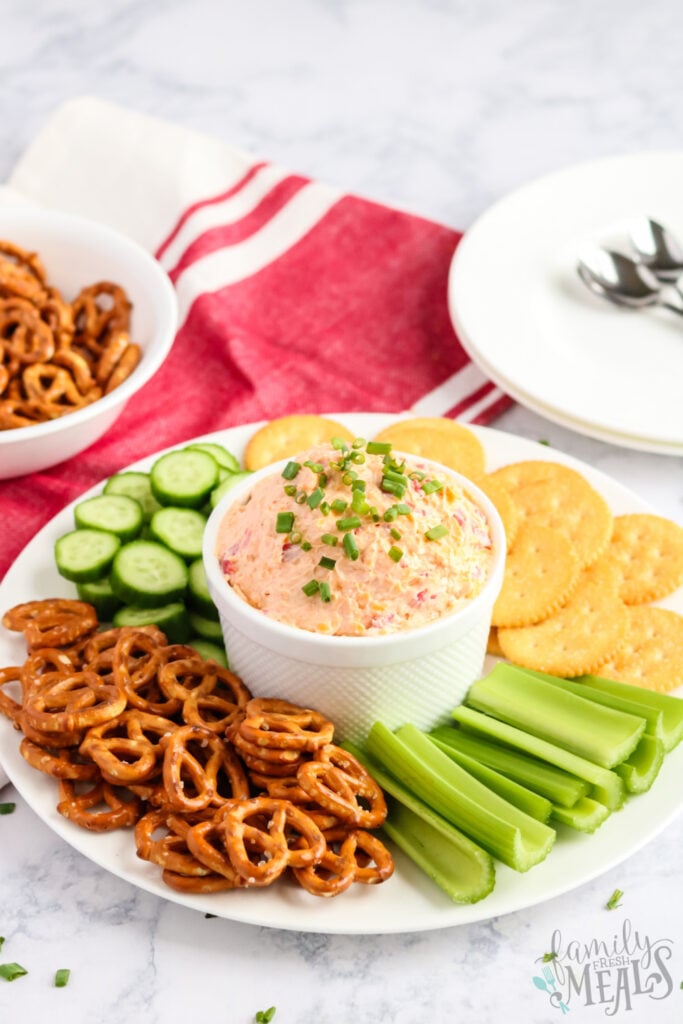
<point x="440" y="107"/>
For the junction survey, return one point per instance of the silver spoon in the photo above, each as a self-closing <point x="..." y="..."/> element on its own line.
<point x="621" y="280"/>
<point x="657" y="249"/>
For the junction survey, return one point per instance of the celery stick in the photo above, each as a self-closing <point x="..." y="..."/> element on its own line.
<point x="654" y="717"/>
<point x="600" y="734"/>
<point x="528" y="801"/>
<point x="458" y="866"/>
<point x="506" y="832"/>
<point x="671" y="707"/>
<point x="585" y="816"/>
<point x="642" y="767"/>
<point x="607" y="786"/>
<point x="556" y="785"/>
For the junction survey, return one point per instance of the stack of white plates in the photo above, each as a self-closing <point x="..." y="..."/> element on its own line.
<point x="523" y="314"/>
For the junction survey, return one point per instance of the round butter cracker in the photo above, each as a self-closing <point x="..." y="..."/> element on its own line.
<point x="551" y="494"/>
<point x="541" y="570"/>
<point x="652" y="653"/>
<point x="578" y="638"/>
<point x="649" y="552"/>
<point x="290" y="435"/>
<point x="440" y="439"/>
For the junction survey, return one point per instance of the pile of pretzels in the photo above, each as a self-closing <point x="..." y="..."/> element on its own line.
<point x="57" y="356"/>
<point x="223" y="790"/>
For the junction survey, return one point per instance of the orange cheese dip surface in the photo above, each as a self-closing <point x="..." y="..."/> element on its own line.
<point x="419" y="545"/>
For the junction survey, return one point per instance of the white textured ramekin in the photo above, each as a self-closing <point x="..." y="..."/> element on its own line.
<point x="413" y="676"/>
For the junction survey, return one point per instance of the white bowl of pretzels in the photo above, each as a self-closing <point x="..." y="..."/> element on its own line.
<point x="87" y="316"/>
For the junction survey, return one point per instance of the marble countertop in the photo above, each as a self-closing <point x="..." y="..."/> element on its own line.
<point x="441" y="107"/>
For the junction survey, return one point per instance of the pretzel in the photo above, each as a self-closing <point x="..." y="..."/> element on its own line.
<point x="58" y="316"/>
<point x="184" y="671"/>
<point x="333" y="874"/>
<point x="170" y="851"/>
<point x="8" y="706"/>
<point x="72" y="701"/>
<point x="192" y="784"/>
<point x="122" y="748"/>
<point x="77" y="807"/>
<point x="259" y="855"/>
<point x="124" y="367"/>
<point x="101" y="308"/>
<point x="54" y="622"/>
<point x="338" y="782"/>
<point x="79" y="369"/>
<point x="373" y="862"/>
<point x="216" y="707"/>
<point x="21" y="273"/>
<point x="137" y="660"/>
<point x="279" y="724"/>
<point x="202" y="886"/>
<point x="27" y="338"/>
<point x="205" y="841"/>
<point x="62" y="764"/>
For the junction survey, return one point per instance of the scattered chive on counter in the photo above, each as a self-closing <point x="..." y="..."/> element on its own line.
<point x="62" y="977"/>
<point x="615" y="900"/>
<point x="7" y="808"/>
<point x="12" y="971"/>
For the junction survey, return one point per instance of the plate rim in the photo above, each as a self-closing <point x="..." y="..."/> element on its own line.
<point x="438" y="911"/>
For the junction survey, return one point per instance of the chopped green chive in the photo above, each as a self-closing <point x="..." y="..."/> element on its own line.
<point x="7" y="808"/>
<point x="338" y="505"/>
<point x="325" y="592"/>
<point x="327" y="563"/>
<point x="311" y="588"/>
<point x="429" y="486"/>
<point x="349" y="523"/>
<point x="436" y="532"/>
<point x="358" y="442"/>
<point x="295" y="538"/>
<point x="329" y="538"/>
<point x="416" y="475"/>
<point x="315" y="467"/>
<point x="390" y="514"/>
<point x="350" y="546"/>
<point x="11" y="971"/>
<point x="290" y="490"/>
<point x="291" y="470"/>
<point x="2" y="941"/>
<point x="349" y="477"/>
<point x="358" y="458"/>
<point x="339" y="445"/>
<point x="393" y="487"/>
<point x="358" y="503"/>
<point x="62" y="977"/>
<point x="358" y="485"/>
<point x="392" y="473"/>
<point x="264" y="1016"/>
<point x="378" y="447"/>
<point x="322" y="480"/>
<point x="403" y="509"/>
<point x="396" y="534"/>
<point x="395" y="554"/>
<point x="546" y="443"/>
<point x="613" y="901"/>
<point x="325" y="508"/>
<point x="305" y="545"/>
<point x="301" y="497"/>
<point x="315" y="498"/>
<point x="547" y="957"/>
<point x="284" y="522"/>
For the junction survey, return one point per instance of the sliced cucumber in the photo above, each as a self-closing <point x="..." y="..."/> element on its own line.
<point x="99" y="594"/>
<point x="209" y="629"/>
<point x="227" y="485"/>
<point x="198" y="595"/>
<point x="221" y="455"/>
<point x="209" y="651"/>
<point x="134" y="485"/>
<point x="184" y="478"/>
<point x="180" y="529"/>
<point x="116" y="513"/>
<point x="170" y="618"/>
<point x="85" y="555"/>
<point x="147" y="574"/>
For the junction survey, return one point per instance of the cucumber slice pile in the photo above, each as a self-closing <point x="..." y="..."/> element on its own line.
<point x="135" y="553"/>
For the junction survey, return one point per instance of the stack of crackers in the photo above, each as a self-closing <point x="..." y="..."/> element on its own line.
<point x="580" y="582"/>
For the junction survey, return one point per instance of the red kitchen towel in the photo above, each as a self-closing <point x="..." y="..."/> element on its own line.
<point x="294" y="297"/>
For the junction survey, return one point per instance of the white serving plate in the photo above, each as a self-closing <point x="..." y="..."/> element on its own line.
<point x="408" y="902"/>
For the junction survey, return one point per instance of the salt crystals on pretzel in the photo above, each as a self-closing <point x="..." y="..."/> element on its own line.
<point x="56" y="356"/>
<point x="224" y="791"/>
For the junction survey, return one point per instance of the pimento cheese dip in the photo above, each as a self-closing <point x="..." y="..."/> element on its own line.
<point x="356" y="541"/>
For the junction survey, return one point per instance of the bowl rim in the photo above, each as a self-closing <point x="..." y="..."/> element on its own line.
<point x="284" y="638"/>
<point x="166" y="309"/>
